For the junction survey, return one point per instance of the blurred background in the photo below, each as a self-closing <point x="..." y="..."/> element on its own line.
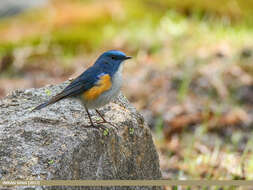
<point x="191" y="76"/>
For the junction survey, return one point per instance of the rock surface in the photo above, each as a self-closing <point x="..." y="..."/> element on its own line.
<point x="55" y="142"/>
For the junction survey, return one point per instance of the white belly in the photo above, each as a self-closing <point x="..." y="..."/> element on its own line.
<point x="109" y="95"/>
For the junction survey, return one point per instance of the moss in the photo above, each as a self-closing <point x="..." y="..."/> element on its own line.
<point x="131" y="131"/>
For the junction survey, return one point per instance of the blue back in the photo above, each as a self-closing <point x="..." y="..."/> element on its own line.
<point x="107" y="63"/>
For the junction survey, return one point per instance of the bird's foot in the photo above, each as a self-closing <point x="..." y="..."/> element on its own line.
<point x="96" y="126"/>
<point x="104" y="120"/>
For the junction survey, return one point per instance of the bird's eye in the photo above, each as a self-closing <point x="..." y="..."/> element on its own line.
<point x="113" y="57"/>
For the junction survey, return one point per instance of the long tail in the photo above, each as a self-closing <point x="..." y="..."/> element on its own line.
<point x="51" y="101"/>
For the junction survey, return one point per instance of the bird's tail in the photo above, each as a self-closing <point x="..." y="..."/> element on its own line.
<point x="51" y="101"/>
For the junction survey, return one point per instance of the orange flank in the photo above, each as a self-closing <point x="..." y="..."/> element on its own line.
<point x="103" y="85"/>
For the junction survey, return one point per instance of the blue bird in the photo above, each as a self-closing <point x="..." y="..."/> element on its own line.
<point x="96" y="86"/>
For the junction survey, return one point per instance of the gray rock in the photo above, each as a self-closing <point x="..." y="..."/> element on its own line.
<point x="55" y="142"/>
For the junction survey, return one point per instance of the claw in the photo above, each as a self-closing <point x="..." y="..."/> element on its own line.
<point x="102" y="122"/>
<point x="95" y="126"/>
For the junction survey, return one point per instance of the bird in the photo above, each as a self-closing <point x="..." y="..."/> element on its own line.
<point x="96" y="86"/>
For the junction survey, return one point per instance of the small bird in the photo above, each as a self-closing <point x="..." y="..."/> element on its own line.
<point x="97" y="85"/>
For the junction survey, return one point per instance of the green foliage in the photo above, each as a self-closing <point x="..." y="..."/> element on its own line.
<point x="147" y="23"/>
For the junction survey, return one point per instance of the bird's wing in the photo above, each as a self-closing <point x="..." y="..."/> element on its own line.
<point x="81" y="84"/>
<point x="104" y="83"/>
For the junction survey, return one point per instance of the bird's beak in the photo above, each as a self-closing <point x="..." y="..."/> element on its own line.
<point x="128" y="57"/>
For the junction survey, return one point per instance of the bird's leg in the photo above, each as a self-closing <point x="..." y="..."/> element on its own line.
<point x="91" y="122"/>
<point x="104" y="120"/>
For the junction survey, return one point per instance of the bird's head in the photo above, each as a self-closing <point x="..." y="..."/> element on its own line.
<point x="110" y="61"/>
